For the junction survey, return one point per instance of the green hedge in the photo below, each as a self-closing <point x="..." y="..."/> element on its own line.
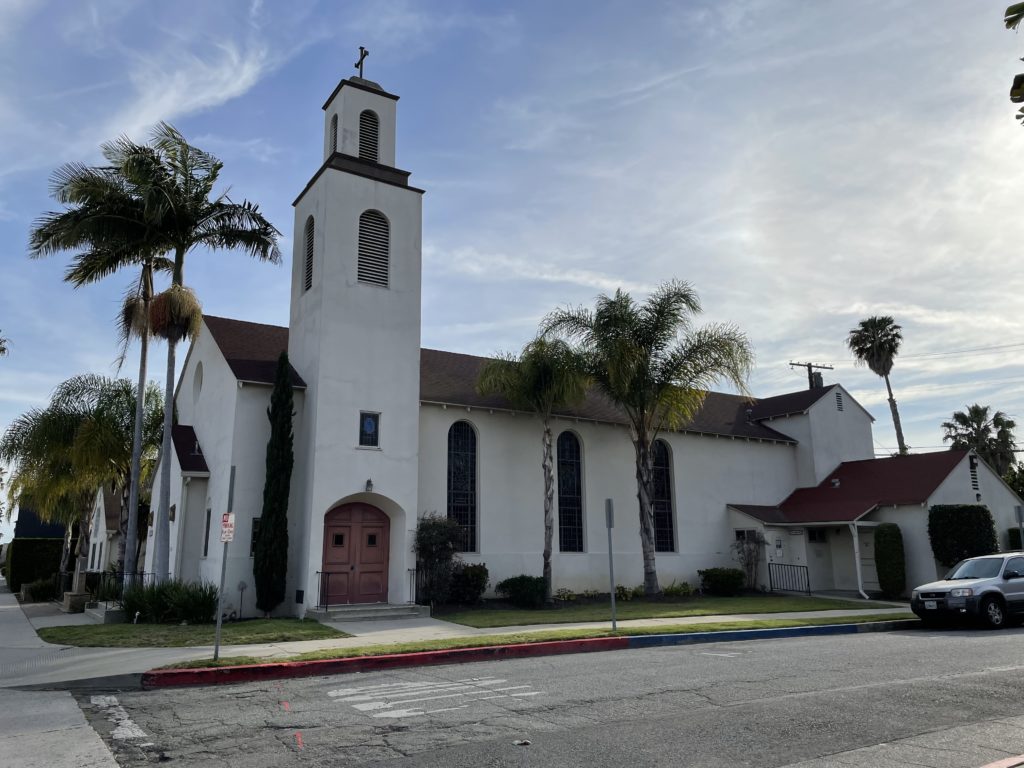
<point x="29" y="560"/>
<point x="523" y="591"/>
<point x="171" y="602"/>
<point x="724" y="582"/>
<point x="890" y="560"/>
<point x="959" y="531"/>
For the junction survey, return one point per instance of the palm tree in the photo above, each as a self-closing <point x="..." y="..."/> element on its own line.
<point x="653" y="363"/>
<point x="106" y="222"/>
<point x="175" y="181"/>
<point x="3" y="346"/>
<point x="546" y="375"/>
<point x="80" y="442"/>
<point x="990" y="435"/>
<point x="875" y="343"/>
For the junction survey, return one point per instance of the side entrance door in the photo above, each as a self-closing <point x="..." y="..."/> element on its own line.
<point x="355" y="564"/>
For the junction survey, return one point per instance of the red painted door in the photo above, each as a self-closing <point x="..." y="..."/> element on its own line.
<point x="355" y="566"/>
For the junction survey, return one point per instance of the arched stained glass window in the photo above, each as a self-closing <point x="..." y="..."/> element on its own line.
<point x="570" y="493"/>
<point x="664" y="530"/>
<point x="462" y="482"/>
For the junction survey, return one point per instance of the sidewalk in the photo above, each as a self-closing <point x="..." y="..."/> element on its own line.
<point x="40" y="729"/>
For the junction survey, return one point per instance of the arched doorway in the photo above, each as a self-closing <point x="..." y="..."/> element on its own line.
<point x="355" y="564"/>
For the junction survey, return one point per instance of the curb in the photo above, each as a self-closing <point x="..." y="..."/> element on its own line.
<point x="167" y="678"/>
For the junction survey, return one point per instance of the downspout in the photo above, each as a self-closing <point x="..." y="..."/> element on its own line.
<point x="179" y="521"/>
<point x="856" y="561"/>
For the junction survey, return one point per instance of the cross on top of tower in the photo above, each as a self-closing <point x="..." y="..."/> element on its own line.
<point x="363" y="53"/>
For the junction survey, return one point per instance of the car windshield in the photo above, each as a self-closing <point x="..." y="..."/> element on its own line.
<point x="984" y="568"/>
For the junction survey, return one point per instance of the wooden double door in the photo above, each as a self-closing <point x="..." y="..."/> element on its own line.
<point x="356" y="543"/>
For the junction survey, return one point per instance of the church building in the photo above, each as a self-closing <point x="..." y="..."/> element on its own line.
<point x="386" y="432"/>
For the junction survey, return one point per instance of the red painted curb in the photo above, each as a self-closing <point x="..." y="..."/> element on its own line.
<point x="165" y="678"/>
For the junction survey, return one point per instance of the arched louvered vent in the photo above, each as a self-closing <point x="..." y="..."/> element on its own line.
<point x="334" y="134"/>
<point x="374" y="245"/>
<point x="308" y="283"/>
<point x="369" y="134"/>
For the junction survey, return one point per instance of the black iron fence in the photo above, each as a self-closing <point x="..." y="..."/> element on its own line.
<point x="105" y="587"/>
<point x="783" y="577"/>
<point x="323" y="599"/>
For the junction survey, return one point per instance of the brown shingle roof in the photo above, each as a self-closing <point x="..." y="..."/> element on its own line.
<point x="186" y="447"/>
<point x="251" y="349"/>
<point x="862" y="486"/>
<point x="791" y="402"/>
<point x="449" y="377"/>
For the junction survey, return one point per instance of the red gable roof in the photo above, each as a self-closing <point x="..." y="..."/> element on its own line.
<point x="856" y="487"/>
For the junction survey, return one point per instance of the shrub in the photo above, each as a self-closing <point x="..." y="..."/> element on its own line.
<point x="959" y="531"/>
<point x="748" y="552"/>
<point x="171" y="602"/>
<point x="677" y="590"/>
<point x="724" y="582"/>
<point x="564" y="595"/>
<point x="523" y="591"/>
<point x="41" y="590"/>
<point x="624" y="594"/>
<point x="889" y="560"/>
<point x="435" y="544"/>
<point x="30" y="560"/>
<point x="638" y="591"/>
<point x="468" y="583"/>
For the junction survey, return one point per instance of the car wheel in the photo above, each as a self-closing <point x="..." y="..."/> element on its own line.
<point x="993" y="613"/>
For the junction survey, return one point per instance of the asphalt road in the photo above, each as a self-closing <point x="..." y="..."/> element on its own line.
<point x="931" y="698"/>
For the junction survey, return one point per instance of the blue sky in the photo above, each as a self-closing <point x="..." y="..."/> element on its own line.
<point x="804" y="165"/>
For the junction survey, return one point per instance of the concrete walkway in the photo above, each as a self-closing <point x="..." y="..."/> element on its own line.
<point x="39" y="729"/>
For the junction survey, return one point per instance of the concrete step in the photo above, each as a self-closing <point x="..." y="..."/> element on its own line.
<point x="367" y="612"/>
<point x="101" y="614"/>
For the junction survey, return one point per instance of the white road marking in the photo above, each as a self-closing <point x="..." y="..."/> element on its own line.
<point x="124" y="728"/>
<point x="726" y="655"/>
<point x="392" y="700"/>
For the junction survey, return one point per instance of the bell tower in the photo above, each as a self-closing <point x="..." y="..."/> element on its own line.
<point x="354" y="334"/>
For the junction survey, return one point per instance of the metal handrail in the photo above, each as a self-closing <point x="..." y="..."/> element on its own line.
<point x="783" y="577"/>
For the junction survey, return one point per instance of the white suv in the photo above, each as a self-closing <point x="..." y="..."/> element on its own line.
<point x="990" y="588"/>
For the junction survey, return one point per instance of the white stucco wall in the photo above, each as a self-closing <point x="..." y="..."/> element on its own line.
<point x="357" y="348"/>
<point x="348" y="104"/>
<point x="826" y="436"/>
<point x="708" y="473"/>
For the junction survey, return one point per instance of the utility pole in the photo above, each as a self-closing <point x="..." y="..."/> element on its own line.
<point x="810" y="370"/>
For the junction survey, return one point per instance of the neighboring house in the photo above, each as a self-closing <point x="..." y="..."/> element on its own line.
<point x="105" y="530"/>
<point x="386" y="432"/>
<point x="29" y="526"/>
<point x="830" y="527"/>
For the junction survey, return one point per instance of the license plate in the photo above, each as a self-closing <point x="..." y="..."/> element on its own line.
<point x="931" y="605"/>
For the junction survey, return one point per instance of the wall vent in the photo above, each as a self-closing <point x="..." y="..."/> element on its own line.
<point x="374" y="245"/>
<point x="334" y="134"/>
<point x="839" y="400"/>
<point x="308" y="282"/>
<point x="369" y="135"/>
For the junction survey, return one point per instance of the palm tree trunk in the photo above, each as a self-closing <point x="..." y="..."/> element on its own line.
<point x="161" y="525"/>
<point x="645" y="494"/>
<point x="896" y="419"/>
<point x="83" y="548"/>
<point x="122" y="528"/>
<point x="130" y="535"/>
<point x="549" y="507"/>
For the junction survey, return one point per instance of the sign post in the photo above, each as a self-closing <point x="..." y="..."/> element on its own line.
<point x="609" y="521"/>
<point x="227" y="534"/>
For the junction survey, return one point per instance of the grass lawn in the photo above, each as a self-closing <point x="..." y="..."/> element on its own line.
<point x="534" y="637"/>
<point x="176" y="636"/>
<point x="567" y="613"/>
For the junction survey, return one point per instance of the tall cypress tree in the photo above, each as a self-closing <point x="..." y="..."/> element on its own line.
<point x="270" y="559"/>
